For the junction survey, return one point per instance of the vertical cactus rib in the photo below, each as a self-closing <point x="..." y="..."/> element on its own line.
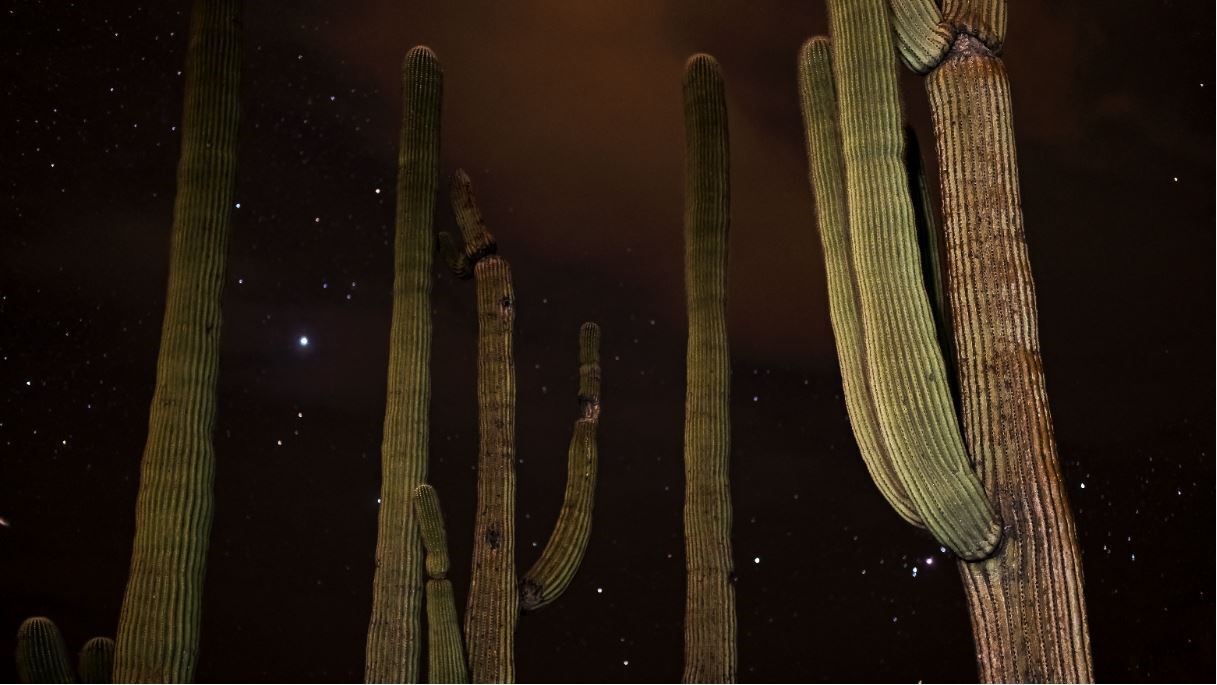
<point x="1027" y="600"/>
<point x="158" y="631"/>
<point x="710" y="627"/>
<point x="96" y="664"/>
<point x="921" y="36"/>
<point x="41" y="654"/>
<point x="445" y="651"/>
<point x="905" y="365"/>
<point x="552" y="573"/>
<point x="827" y="176"/>
<point x="392" y="652"/>
<point x="493" y="608"/>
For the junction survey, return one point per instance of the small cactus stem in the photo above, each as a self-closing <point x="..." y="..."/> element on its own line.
<point x="827" y="175"/>
<point x="394" y="640"/>
<point x="41" y="654"/>
<point x="158" y="627"/>
<point x="710" y="625"/>
<point x="903" y="357"/>
<point x="96" y="663"/>
<point x="445" y="649"/>
<point x="922" y="36"/>
<point x="1027" y="603"/>
<point x="490" y="618"/>
<point x="552" y="573"/>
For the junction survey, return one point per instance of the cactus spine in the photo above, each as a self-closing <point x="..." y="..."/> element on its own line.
<point x="392" y="653"/>
<point x="1025" y="596"/>
<point x="41" y="654"/>
<point x="158" y="630"/>
<point x="494" y="597"/>
<point x="445" y="650"/>
<point x="710" y="652"/>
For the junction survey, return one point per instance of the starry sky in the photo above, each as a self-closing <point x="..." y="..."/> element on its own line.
<point x="568" y="118"/>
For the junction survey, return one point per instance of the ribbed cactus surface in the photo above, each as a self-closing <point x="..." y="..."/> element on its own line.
<point x="710" y="628"/>
<point x="158" y="630"/>
<point x="555" y="569"/>
<point x="41" y="654"/>
<point x="445" y="649"/>
<point x="97" y="661"/>
<point x="393" y="646"/>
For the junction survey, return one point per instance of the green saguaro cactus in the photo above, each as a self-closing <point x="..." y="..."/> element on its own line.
<point x="97" y="661"/>
<point x="1024" y="594"/>
<point x="158" y="629"/>
<point x="495" y="598"/>
<point x="41" y="654"/>
<point x="393" y="645"/>
<point x="445" y="650"/>
<point x="710" y="628"/>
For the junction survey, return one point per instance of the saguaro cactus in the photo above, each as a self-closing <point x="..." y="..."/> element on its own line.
<point x="97" y="661"/>
<point x="393" y="631"/>
<point x="158" y="629"/>
<point x="494" y="596"/>
<point x="709" y="595"/>
<point x="41" y="654"/>
<point x="446" y="652"/>
<point x="1025" y="594"/>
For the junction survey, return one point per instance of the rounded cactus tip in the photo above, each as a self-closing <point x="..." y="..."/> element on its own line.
<point x="589" y="337"/>
<point x="701" y="60"/>
<point x="701" y="71"/>
<point x="812" y="45"/>
<point x="419" y="55"/>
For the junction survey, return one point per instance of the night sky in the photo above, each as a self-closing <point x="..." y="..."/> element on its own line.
<point x="568" y="118"/>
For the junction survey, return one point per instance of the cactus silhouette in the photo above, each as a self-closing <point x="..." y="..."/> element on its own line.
<point x="999" y="502"/>
<point x="97" y="661"/>
<point x="710" y="652"/>
<point x="158" y="629"/>
<point x="495" y="597"/>
<point x="393" y="645"/>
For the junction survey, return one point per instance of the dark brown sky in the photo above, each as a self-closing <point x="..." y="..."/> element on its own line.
<point x="568" y="118"/>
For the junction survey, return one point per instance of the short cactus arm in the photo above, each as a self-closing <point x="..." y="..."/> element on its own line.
<point x="493" y="609"/>
<point x="905" y="364"/>
<point x="97" y="661"/>
<point x="41" y="654"/>
<point x="710" y="626"/>
<point x="553" y="572"/>
<point x="446" y="651"/>
<point x="827" y="173"/>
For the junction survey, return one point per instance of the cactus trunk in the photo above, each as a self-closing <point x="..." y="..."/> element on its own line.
<point x="158" y="631"/>
<point x="1028" y="611"/>
<point x="710" y="630"/>
<point x="393" y="646"/>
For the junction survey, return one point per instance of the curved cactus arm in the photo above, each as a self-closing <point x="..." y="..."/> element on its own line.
<point x="710" y="627"/>
<point x="921" y="35"/>
<point x="96" y="663"/>
<point x="493" y="608"/>
<point x="827" y="174"/>
<point x="393" y="646"/>
<point x="905" y="365"/>
<point x="552" y="573"/>
<point x="445" y="649"/>
<point x="984" y="19"/>
<point x="41" y="654"/>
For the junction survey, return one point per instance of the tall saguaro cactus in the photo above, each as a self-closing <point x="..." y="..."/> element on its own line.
<point x="158" y="630"/>
<point x="999" y="503"/>
<point x="710" y="629"/>
<point x="393" y="645"/>
<point x="495" y="598"/>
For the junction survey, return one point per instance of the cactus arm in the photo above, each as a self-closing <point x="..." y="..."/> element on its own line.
<point x="493" y="608"/>
<point x="983" y="19"/>
<point x="827" y="175"/>
<point x="445" y="650"/>
<point x="906" y="369"/>
<point x="97" y="661"/>
<point x="921" y="36"/>
<point x="552" y="573"/>
<point x="41" y="654"/>
<point x="158" y="630"/>
<point x="455" y="257"/>
<point x="393" y="646"/>
<point x="710" y="627"/>
<point x="1028" y="598"/>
